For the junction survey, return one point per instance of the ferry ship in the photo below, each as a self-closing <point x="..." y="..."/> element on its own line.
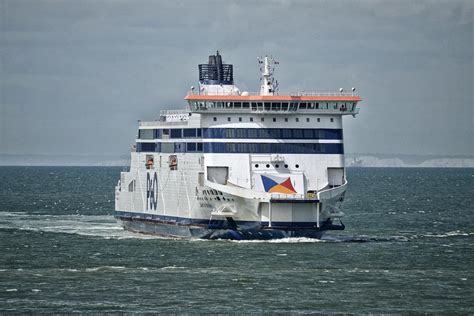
<point x="239" y="165"/>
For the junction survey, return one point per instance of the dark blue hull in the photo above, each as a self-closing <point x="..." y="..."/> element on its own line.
<point x="220" y="229"/>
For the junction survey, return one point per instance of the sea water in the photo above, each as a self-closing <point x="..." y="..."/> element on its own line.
<point x="408" y="247"/>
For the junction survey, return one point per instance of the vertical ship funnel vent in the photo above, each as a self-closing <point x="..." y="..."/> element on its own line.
<point x="215" y="72"/>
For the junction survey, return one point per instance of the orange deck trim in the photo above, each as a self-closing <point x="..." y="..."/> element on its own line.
<point x="197" y="97"/>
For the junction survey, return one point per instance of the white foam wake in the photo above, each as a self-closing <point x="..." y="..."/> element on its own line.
<point x="102" y="226"/>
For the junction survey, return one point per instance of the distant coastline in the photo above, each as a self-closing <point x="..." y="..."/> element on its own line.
<point x="352" y="160"/>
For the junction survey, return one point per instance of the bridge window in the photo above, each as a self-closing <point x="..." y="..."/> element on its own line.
<point x="267" y="106"/>
<point x="317" y="105"/>
<point x="245" y="105"/>
<point x="237" y="105"/>
<point x="284" y="106"/>
<point x="303" y="105"/>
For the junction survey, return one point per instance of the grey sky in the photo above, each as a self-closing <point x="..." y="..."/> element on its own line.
<point x="76" y="75"/>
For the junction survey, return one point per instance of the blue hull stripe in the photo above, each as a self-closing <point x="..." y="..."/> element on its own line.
<point x="214" y="223"/>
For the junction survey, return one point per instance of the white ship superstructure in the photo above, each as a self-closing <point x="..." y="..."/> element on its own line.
<point x="238" y="165"/>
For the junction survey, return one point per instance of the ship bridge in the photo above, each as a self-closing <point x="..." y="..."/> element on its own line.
<point x="218" y="94"/>
<point x="317" y="103"/>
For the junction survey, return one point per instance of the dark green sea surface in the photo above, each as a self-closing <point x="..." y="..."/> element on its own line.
<point x="408" y="247"/>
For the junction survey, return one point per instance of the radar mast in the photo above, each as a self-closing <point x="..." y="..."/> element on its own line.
<point x="268" y="84"/>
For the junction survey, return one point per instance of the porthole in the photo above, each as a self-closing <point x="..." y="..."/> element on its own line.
<point x="332" y="120"/>
<point x="297" y="166"/>
<point x="240" y="119"/>
<point x="286" y="166"/>
<point x="215" y="119"/>
<point x="307" y="119"/>
<point x="274" y="119"/>
<point x="262" y="119"/>
<point x="318" y="119"/>
<point x="277" y="166"/>
<point x="251" y="119"/>
<point x="228" y="119"/>
<point x="297" y="119"/>
<point x="256" y="165"/>
<point x="268" y="166"/>
<point x="286" y="119"/>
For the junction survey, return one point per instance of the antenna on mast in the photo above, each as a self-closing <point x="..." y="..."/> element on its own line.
<point x="268" y="84"/>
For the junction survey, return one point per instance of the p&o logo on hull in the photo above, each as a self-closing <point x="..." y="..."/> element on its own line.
<point x="151" y="191"/>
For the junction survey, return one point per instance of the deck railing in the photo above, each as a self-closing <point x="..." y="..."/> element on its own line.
<point x="293" y="94"/>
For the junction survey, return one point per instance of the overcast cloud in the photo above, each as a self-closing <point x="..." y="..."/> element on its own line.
<point x="76" y="75"/>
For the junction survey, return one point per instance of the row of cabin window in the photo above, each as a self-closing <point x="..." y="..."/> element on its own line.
<point x="273" y="133"/>
<point x="170" y="133"/>
<point x="268" y="148"/>
<point x="169" y="147"/>
<point x="253" y="148"/>
<point x="196" y="132"/>
<point x="274" y="148"/>
<point x="274" y="119"/>
<point x="254" y="133"/>
<point x="275" y="106"/>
